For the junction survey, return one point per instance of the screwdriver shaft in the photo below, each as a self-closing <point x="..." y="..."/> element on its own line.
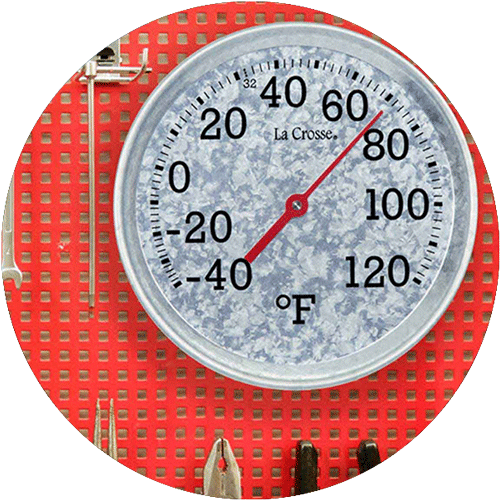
<point x="91" y="72"/>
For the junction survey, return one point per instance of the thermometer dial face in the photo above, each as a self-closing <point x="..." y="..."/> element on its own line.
<point x="295" y="206"/>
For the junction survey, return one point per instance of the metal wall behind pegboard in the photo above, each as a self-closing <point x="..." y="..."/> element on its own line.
<point x="170" y="408"/>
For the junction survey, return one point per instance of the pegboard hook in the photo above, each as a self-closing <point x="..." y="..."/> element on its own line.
<point x="104" y="67"/>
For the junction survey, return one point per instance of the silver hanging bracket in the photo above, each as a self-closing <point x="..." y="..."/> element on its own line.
<point x="104" y="67"/>
<point x="109" y="68"/>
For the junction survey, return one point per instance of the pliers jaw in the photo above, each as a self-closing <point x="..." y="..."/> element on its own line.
<point x="112" y="442"/>
<point x="221" y="476"/>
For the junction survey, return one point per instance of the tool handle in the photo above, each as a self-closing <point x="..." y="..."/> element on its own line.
<point x="368" y="455"/>
<point x="306" y="470"/>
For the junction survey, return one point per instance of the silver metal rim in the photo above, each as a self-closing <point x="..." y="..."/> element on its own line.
<point x="381" y="352"/>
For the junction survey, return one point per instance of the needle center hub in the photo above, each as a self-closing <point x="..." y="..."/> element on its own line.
<point x="296" y="205"/>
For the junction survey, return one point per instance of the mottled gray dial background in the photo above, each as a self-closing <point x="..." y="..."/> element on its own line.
<point x="251" y="178"/>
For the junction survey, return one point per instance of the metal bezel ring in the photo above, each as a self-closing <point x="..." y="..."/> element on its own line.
<point x="414" y="326"/>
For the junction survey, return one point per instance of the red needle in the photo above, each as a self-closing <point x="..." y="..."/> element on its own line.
<point x="296" y="205"/>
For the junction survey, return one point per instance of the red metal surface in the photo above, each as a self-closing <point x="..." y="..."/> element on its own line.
<point x="169" y="407"/>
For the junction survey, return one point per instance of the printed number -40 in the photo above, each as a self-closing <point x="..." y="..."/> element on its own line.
<point x="240" y="275"/>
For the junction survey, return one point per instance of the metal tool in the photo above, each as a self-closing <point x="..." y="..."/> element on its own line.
<point x="10" y="271"/>
<point x="103" y="68"/>
<point x="368" y="455"/>
<point x="306" y="468"/>
<point x="112" y="441"/>
<point x="221" y="476"/>
<point x="91" y="73"/>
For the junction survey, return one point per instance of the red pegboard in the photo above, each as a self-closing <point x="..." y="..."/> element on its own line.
<point x="170" y="408"/>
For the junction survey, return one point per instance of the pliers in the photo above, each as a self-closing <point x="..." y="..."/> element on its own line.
<point x="221" y="476"/>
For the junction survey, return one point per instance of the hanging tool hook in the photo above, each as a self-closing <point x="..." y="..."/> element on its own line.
<point x="105" y="67"/>
<point x="116" y="73"/>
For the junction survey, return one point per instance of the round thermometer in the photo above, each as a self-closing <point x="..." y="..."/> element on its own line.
<point x="295" y="206"/>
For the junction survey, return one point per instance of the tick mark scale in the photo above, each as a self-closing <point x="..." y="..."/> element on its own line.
<point x="310" y="260"/>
